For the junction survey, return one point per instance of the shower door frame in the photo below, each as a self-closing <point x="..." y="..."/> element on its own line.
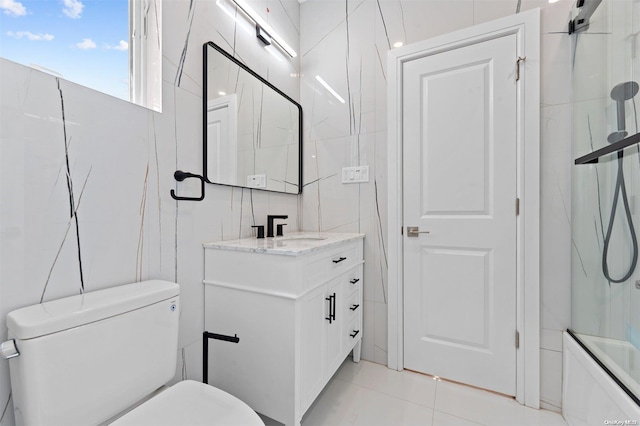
<point x="526" y="26"/>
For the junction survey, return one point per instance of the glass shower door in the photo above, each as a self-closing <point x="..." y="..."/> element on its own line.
<point x="605" y="287"/>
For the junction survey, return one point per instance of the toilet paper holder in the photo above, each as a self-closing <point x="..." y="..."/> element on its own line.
<point x="205" y="350"/>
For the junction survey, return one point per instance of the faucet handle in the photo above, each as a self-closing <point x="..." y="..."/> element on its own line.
<point x="260" y="230"/>
<point x="279" y="229"/>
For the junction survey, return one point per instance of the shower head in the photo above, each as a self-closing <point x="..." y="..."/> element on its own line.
<point x="624" y="91"/>
<point x="620" y="93"/>
<point x="617" y="136"/>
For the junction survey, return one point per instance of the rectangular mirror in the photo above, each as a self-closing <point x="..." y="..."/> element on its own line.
<point x="252" y="131"/>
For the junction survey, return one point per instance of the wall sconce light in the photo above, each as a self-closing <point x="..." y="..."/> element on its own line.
<point x="264" y="30"/>
<point x="263" y="35"/>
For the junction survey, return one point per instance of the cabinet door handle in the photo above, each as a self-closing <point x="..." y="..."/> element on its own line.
<point x="355" y="333"/>
<point x="354" y="307"/>
<point x="339" y="260"/>
<point x="330" y="317"/>
<point x="334" y="306"/>
<point x="355" y="280"/>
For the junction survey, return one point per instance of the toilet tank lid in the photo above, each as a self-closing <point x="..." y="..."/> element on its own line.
<point x="63" y="314"/>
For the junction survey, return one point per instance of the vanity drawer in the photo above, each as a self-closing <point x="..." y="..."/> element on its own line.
<point x="353" y="307"/>
<point x="353" y="280"/>
<point x="333" y="262"/>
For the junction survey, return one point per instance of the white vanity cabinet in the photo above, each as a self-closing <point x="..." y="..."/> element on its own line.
<point x="295" y="304"/>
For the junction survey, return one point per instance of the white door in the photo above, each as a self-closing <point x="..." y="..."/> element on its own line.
<point x="459" y="173"/>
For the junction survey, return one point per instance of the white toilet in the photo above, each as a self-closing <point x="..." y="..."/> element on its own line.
<point x="86" y="359"/>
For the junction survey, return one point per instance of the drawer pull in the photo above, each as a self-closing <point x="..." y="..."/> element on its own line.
<point x="339" y="260"/>
<point x="355" y="333"/>
<point x="354" y="307"/>
<point x="355" y="280"/>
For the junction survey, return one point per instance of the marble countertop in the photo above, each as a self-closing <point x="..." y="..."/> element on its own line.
<point x="292" y="244"/>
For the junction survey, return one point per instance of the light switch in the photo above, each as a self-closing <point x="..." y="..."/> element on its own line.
<point x="356" y="174"/>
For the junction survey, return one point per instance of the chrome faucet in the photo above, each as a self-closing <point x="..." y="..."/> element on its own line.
<point x="270" y="219"/>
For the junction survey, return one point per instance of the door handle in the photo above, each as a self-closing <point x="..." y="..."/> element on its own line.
<point x="414" y="231"/>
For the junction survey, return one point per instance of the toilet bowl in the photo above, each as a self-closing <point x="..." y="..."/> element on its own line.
<point x="85" y="359"/>
<point x="191" y="403"/>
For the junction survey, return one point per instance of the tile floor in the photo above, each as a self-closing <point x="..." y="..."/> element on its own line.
<point x="371" y="394"/>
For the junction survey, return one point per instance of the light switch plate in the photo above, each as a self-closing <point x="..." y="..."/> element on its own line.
<point x="356" y="174"/>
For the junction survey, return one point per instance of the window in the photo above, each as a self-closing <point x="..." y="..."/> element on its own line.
<point x="113" y="46"/>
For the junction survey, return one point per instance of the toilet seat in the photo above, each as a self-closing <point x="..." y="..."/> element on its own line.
<point x="191" y="403"/>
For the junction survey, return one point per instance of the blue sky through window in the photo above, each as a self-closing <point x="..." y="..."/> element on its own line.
<point x="84" y="41"/>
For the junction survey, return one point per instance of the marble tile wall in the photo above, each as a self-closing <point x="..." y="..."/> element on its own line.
<point x="85" y="177"/>
<point x="346" y="43"/>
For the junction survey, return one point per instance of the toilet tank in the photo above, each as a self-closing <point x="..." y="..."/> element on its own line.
<point x="84" y="359"/>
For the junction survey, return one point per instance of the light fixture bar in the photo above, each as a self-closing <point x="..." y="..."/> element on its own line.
<point x="329" y="88"/>
<point x="275" y="37"/>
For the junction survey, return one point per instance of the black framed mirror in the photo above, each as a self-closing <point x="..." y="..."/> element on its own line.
<point x="252" y="131"/>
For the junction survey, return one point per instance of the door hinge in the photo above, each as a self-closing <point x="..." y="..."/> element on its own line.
<point x="520" y="59"/>
<point x="517" y="339"/>
<point x="517" y="206"/>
